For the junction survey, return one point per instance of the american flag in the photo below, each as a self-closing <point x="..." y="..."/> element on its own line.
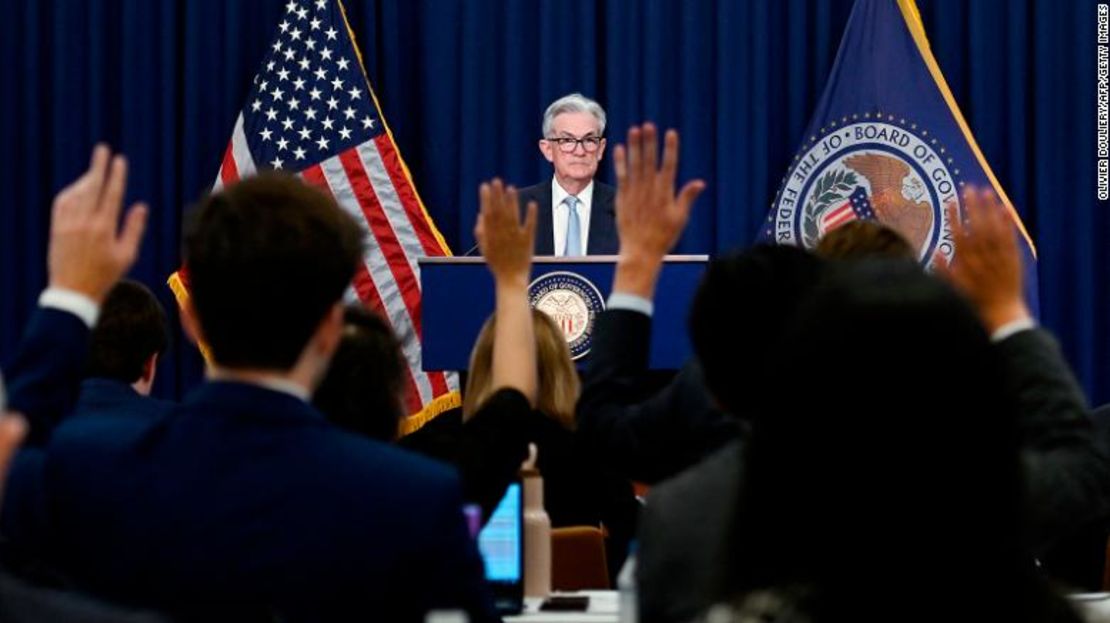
<point x="311" y="111"/>
<point x="857" y="207"/>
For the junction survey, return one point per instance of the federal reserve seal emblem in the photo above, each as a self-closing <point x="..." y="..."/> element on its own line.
<point x="573" y="302"/>
<point x="869" y="167"/>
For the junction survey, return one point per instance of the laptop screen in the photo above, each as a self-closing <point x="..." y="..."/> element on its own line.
<point x="501" y="543"/>
<point x="501" y="540"/>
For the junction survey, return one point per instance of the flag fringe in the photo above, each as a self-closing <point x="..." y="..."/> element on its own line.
<point x="913" y="21"/>
<point x="181" y="293"/>
<point x="416" y="421"/>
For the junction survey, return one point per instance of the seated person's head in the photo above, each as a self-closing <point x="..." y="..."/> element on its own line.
<point x="267" y="262"/>
<point x="892" y="458"/>
<point x="559" y="385"/>
<point x="861" y="239"/>
<point x="129" y="337"/>
<point x="738" y="315"/>
<point x="363" y="389"/>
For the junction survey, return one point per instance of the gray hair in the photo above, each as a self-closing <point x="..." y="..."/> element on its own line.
<point x="575" y="102"/>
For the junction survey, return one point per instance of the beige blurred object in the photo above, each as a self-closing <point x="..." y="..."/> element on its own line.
<point x="537" y="531"/>
<point x="912" y="219"/>
<point x="578" y="559"/>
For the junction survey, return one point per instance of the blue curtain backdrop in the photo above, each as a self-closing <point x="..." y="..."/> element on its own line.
<point x="464" y="83"/>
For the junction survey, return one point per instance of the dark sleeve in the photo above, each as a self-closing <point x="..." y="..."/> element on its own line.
<point x="645" y="438"/>
<point x="44" y="377"/>
<point x="23" y="513"/>
<point x="487" y="450"/>
<point x="1068" y="474"/>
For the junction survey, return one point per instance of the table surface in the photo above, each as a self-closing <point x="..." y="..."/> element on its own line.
<point x="603" y="609"/>
<point x="1094" y="607"/>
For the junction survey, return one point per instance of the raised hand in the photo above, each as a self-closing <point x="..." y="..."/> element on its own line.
<point x="650" y="216"/>
<point x="88" y="252"/>
<point x="505" y="242"/>
<point x="987" y="264"/>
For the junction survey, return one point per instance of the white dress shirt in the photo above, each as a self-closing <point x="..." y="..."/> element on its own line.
<point x="560" y="214"/>
<point x="73" y="302"/>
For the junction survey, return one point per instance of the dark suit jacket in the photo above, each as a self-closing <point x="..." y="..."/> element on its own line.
<point x="603" y="220"/>
<point x="243" y="502"/>
<point x="42" y="381"/>
<point x="1065" y="457"/>
<point x="1069" y="476"/>
<point x="44" y="375"/>
<point x="685" y="530"/>
<point x="108" y="396"/>
<point x="645" y="438"/>
<point x="22" y="602"/>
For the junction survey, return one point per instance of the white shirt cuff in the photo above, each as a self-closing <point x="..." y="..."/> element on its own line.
<point x="631" y="302"/>
<point x="1012" y="328"/>
<point x="73" y="302"/>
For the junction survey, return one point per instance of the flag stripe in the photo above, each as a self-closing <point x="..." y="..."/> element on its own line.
<point x="244" y="162"/>
<point x="385" y="286"/>
<point x="406" y="238"/>
<point x="390" y="206"/>
<point x="229" y="173"/>
<point x="371" y="207"/>
<point x="376" y="207"/>
<point x="838" y="217"/>
<point x="367" y="294"/>
<point x="391" y="162"/>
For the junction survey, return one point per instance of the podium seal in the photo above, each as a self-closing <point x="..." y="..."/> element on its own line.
<point x="573" y="302"/>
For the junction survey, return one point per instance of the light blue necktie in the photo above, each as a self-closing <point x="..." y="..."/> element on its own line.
<point x="574" y="229"/>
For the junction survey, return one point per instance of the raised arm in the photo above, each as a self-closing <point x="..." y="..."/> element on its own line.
<point x="650" y="216"/>
<point x="1068" y="476"/>
<point x="88" y="254"/>
<point x="506" y="244"/>
<point x="645" y="438"/>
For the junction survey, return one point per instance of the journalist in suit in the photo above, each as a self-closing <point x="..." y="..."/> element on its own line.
<point x="243" y="503"/>
<point x="576" y="213"/>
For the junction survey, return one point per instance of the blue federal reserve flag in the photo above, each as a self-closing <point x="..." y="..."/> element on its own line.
<point x="887" y="142"/>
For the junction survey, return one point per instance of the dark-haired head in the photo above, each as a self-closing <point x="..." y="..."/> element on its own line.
<point x="363" y="389"/>
<point x="738" y="315"/>
<point x="267" y="259"/>
<point x="129" y="336"/>
<point x="892" y="456"/>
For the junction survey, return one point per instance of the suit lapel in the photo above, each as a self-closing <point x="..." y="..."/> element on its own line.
<point x="603" y="225"/>
<point x="545" y="232"/>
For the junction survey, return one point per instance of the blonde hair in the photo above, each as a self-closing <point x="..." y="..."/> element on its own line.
<point x="558" y="387"/>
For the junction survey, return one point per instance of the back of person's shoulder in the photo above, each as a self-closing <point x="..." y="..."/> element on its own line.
<point x="715" y="478"/>
<point x="107" y="429"/>
<point x="383" y="463"/>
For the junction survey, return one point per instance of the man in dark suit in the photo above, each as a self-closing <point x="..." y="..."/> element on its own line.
<point x="86" y="257"/>
<point x="576" y="213"/>
<point x="127" y="343"/>
<point x="243" y="502"/>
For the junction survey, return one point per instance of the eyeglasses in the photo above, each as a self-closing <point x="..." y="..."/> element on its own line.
<point x="568" y="145"/>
